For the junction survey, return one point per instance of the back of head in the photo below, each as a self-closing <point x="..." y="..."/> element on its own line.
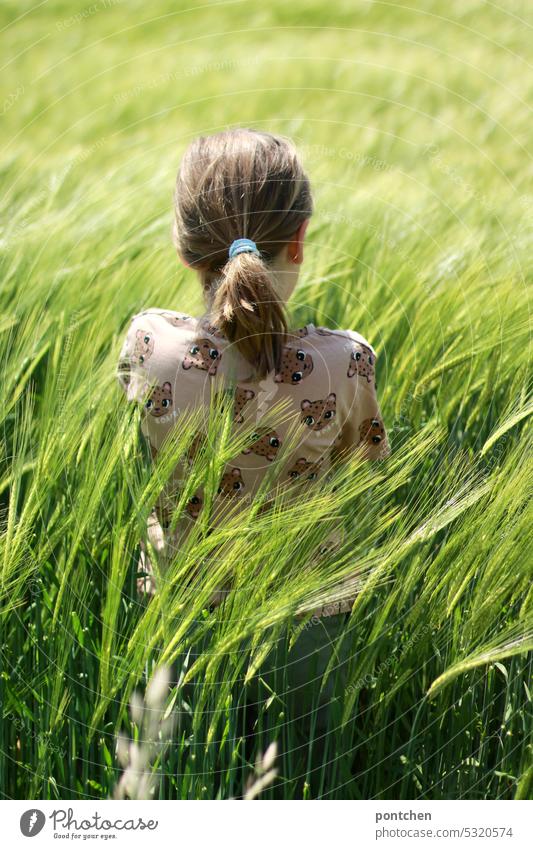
<point x="232" y="185"/>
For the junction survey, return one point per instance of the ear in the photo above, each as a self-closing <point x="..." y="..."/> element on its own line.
<point x="167" y="386"/>
<point x="305" y="404"/>
<point x="295" y="248"/>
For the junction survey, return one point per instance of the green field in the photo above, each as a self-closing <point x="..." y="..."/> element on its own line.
<point x="414" y="125"/>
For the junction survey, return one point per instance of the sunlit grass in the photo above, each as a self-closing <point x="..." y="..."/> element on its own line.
<point x="414" y="129"/>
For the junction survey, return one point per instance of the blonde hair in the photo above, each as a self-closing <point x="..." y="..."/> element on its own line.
<point x="241" y="184"/>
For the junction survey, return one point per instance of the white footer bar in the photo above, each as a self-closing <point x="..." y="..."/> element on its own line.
<point x="268" y="825"/>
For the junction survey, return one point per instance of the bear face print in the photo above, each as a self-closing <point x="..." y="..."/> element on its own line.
<point x="143" y="348"/>
<point x="361" y="362"/>
<point x="160" y="401"/>
<point x="203" y="355"/>
<point x="303" y="468"/>
<point x="266" y="444"/>
<point x="194" y="506"/>
<point x="242" y="396"/>
<point x="319" y="414"/>
<point x="231" y="483"/>
<point x="301" y="332"/>
<point x="371" y="431"/>
<point x="296" y="365"/>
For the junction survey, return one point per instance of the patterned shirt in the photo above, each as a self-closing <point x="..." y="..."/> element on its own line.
<point x="325" y="387"/>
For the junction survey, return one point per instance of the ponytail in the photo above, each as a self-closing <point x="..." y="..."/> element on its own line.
<point x="249" y="313"/>
<point x="229" y="184"/>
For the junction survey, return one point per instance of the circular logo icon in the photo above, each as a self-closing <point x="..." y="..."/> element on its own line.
<point x="32" y="822"/>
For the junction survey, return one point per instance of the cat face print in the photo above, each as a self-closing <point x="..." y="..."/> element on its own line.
<point x="160" y="401"/>
<point x="361" y="362"/>
<point x="266" y="444"/>
<point x="305" y="469"/>
<point x="143" y="348"/>
<point x="296" y="365"/>
<point x="231" y="483"/>
<point x="242" y="396"/>
<point x="194" y="506"/>
<point x="371" y="431"/>
<point x="203" y="355"/>
<point x="319" y="414"/>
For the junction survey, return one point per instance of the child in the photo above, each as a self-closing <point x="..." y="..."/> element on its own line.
<point x="243" y="203"/>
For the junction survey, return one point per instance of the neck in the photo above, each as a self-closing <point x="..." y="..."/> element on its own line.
<point x="284" y="279"/>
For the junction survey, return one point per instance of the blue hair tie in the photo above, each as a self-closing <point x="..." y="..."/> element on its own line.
<point x="243" y="246"/>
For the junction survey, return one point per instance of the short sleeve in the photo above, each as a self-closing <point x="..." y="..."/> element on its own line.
<point x="155" y="370"/>
<point x="362" y="425"/>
